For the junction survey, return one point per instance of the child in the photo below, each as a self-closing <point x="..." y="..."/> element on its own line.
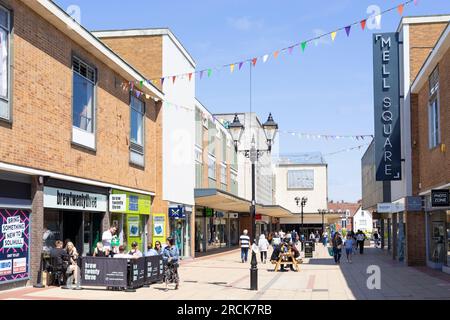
<point x="349" y="247"/>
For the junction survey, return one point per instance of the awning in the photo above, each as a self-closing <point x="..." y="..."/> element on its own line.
<point x="273" y="211"/>
<point x="222" y="200"/>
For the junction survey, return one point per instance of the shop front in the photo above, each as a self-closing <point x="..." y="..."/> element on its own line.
<point x="74" y="213"/>
<point x="130" y="213"/>
<point x="15" y="239"/>
<point x="180" y="226"/>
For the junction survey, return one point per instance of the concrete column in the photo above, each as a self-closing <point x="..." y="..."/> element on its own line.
<point x="37" y="225"/>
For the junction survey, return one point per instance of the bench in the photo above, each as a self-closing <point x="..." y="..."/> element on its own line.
<point x="286" y="259"/>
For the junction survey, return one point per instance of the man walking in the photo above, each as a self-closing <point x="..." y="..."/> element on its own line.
<point x="245" y="244"/>
<point x="360" y="238"/>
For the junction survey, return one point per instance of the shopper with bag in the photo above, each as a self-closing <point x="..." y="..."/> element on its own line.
<point x="337" y="247"/>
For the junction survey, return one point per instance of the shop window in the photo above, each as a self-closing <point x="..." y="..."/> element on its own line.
<point x="433" y="110"/>
<point x="83" y="103"/>
<point x="5" y="107"/>
<point x="137" y="112"/>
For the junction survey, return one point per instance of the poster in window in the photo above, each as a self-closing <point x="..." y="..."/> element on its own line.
<point x="14" y="245"/>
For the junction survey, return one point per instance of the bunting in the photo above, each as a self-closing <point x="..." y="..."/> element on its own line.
<point x="301" y="135"/>
<point x="303" y="44"/>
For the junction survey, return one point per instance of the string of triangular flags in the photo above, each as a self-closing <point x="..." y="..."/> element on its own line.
<point x="347" y="150"/>
<point x="326" y="136"/>
<point x="275" y="54"/>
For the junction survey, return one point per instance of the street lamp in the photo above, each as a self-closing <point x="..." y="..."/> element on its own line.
<point x="323" y="212"/>
<point x="301" y="202"/>
<point x="236" y="130"/>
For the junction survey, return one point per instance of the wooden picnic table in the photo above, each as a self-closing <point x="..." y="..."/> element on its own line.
<point x="286" y="258"/>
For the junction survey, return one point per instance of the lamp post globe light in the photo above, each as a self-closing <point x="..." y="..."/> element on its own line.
<point x="270" y="130"/>
<point x="301" y="202"/>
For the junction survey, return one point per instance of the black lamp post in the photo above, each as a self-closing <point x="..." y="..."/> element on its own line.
<point x="323" y="212"/>
<point x="301" y="202"/>
<point x="237" y="129"/>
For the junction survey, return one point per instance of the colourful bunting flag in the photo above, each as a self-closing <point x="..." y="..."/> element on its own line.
<point x="142" y="84"/>
<point x="232" y="68"/>
<point x="291" y="49"/>
<point x="240" y="65"/>
<point x="400" y="9"/>
<point x="254" y="61"/>
<point x="333" y="35"/>
<point x="190" y="76"/>
<point x="363" y="24"/>
<point x="162" y="81"/>
<point x="347" y="30"/>
<point x="303" y="46"/>
<point x="174" y="78"/>
<point x="209" y="72"/>
<point x="265" y="57"/>
<point x="275" y="54"/>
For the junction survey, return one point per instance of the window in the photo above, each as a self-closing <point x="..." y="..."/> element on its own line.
<point x="198" y="168"/>
<point x="198" y="128"/>
<point x="212" y="131"/>
<point x="233" y="182"/>
<point x="137" y="112"/>
<point x="5" y="112"/>
<point x="224" y="147"/>
<point x="300" y="179"/>
<point x="433" y="110"/>
<point x="223" y="176"/>
<point x="211" y="172"/>
<point x="362" y="222"/>
<point x="83" y="96"/>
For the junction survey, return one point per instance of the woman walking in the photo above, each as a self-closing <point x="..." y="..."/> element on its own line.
<point x="263" y="245"/>
<point x="170" y="258"/>
<point x="337" y="247"/>
<point x="349" y="247"/>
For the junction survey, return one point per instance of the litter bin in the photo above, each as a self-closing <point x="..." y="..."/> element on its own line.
<point x="309" y="249"/>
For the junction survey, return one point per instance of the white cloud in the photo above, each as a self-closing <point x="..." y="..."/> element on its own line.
<point x="245" y="23"/>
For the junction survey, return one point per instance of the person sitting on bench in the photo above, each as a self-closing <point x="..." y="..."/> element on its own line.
<point x="60" y="260"/>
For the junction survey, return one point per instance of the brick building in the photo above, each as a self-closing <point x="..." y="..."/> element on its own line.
<point x="430" y="109"/>
<point x="70" y="136"/>
<point x="403" y="228"/>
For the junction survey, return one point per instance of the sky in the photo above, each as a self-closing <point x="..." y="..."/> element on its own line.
<point x="325" y="90"/>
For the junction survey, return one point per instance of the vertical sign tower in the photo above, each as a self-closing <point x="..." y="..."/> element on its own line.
<point x="386" y="83"/>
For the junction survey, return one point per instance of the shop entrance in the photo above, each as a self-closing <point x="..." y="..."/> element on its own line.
<point x="72" y="229"/>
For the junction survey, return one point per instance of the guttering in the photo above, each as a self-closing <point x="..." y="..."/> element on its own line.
<point x="59" y="176"/>
<point x="64" y="23"/>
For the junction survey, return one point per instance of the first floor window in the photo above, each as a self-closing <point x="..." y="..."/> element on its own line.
<point x="83" y="95"/>
<point x="137" y="122"/>
<point x="434" y="127"/>
<point x="212" y="168"/>
<point x="4" y="63"/>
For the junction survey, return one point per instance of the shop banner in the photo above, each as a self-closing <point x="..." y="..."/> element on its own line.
<point x="154" y="269"/>
<point x="387" y="106"/>
<point x="159" y="228"/>
<point x="14" y="245"/>
<point x="134" y="203"/>
<point x="440" y="198"/>
<point x="177" y="212"/>
<point x="74" y="200"/>
<point x="138" y="272"/>
<point x="104" y="272"/>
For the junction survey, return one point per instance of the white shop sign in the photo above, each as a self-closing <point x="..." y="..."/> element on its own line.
<point x="117" y="202"/>
<point x="74" y="200"/>
<point x="390" y="207"/>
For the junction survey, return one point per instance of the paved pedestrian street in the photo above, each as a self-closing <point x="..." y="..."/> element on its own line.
<point x="223" y="277"/>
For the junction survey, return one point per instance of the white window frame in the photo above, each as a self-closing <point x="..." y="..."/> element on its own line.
<point x="434" y="125"/>
<point x="223" y="178"/>
<point x="79" y="136"/>
<point x="137" y="152"/>
<point x="214" y="167"/>
<point x="6" y="101"/>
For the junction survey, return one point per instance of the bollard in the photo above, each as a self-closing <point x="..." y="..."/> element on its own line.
<point x="253" y="273"/>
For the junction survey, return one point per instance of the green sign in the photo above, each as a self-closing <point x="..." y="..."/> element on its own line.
<point x="135" y="203"/>
<point x="209" y="212"/>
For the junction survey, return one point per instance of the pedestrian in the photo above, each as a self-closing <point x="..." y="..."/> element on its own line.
<point x="150" y="251"/>
<point x="349" y="247"/>
<point x="171" y="257"/>
<point x="99" y="250"/>
<point x="317" y="236"/>
<point x="360" y="238"/>
<point x="73" y="271"/>
<point x="337" y="247"/>
<point x="325" y="238"/>
<point x="376" y="238"/>
<point x="312" y="237"/>
<point x="107" y="237"/>
<point x="245" y="244"/>
<point x="263" y="246"/>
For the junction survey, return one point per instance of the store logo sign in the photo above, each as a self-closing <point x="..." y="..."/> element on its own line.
<point x="74" y="200"/>
<point x="117" y="202"/>
<point x="177" y="212"/>
<point x="387" y="107"/>
<point x="440" y="198"/>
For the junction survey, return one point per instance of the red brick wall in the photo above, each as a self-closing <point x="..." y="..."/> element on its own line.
<point x="415" y="242"/>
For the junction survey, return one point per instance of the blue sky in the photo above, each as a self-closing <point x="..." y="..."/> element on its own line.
<point x="325" y="90"/>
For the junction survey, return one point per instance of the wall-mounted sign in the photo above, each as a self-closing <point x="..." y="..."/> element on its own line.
<point x="14" y="245"/>
<point x="117" y="202"/>
<point x="74" y="200"/>
<point x="209" y="212"/>
<point x="440" y="198"/>
<point x="390" y="207"/>
<point x="387" y="106"/>
<point x="258" y="217"/>
<point x="177" y="212"/>
<point x="159" y="227"/>
<point x="134" y="203"/>
<point x="414" y="203"/>
<point x="233" y="215"/>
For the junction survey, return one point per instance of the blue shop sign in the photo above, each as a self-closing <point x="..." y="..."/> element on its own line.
<point x="177" y="213"/>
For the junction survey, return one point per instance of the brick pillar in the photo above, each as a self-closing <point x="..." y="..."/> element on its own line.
<point x="415" y="242"/>
<point x="394" y="236"/>
<point x="37" y="226"/>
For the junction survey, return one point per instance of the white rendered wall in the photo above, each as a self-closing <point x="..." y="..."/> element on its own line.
<point x="317" y="197"/>
<point x="368" y="226"/>
<point x="178" y="127"/>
